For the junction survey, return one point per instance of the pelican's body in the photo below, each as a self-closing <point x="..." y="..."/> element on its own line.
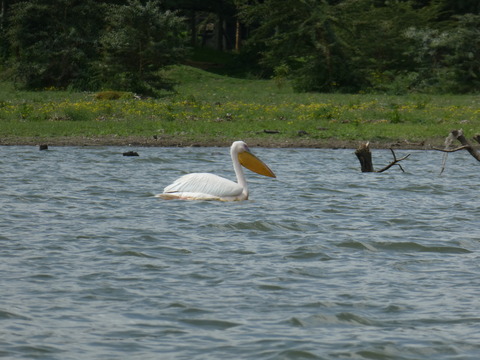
<point x="205" y="186"/>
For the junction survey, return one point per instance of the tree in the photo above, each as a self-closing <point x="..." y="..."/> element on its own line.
<point x="139" y="40"/>
<point x="334" y="45"/>
<point x="53" y="41"/>
<point x="461" y="7"/>
<point x="380" y="52"/>
<point x="302" y="38"/>
<point x="464" y="57"/>
<point x="448" y="61"/>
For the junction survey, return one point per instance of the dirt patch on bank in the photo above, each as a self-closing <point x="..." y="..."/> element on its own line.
<point x="165" y="141"/>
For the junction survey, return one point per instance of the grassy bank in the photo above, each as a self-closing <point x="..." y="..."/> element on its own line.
<point x="214" y="109"/>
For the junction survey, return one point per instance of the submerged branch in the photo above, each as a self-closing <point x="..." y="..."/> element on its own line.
<point x="451" y="150"/>
<point x="394" y="162"/>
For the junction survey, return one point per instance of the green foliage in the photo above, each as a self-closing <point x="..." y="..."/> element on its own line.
<point x="448" y="61"/>
<point x="379" y="49"/>
<point x="90" y="45"/>
<point x="389" y="46"/>
<point x="364" y="45"/>
<point x="53" y="41"/>
<point x="306" y="37"/>
<point x="334" y="46"/>
<point x="113" y="95"/>
<point x="281" y="73"/>
<point x="140" y="39"/>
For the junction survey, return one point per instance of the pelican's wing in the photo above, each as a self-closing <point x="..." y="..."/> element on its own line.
<point x="202" y="186"/>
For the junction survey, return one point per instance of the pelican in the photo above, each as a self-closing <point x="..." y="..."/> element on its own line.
<point x="205" y="186"/>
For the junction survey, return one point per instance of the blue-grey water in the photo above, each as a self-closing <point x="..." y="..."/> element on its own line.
<point x="323" y="262"/>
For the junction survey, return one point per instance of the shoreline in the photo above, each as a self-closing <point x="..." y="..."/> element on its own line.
<point x="144" y="141"/>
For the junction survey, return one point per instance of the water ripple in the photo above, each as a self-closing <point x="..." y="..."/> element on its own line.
<point x="406" y="246"/>
<point x="323" y="263"/>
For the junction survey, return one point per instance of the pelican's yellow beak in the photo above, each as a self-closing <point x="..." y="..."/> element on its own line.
<point x="251" y="162"/>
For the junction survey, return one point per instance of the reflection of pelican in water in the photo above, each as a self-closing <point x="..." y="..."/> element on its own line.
<point x="205" y="186"/>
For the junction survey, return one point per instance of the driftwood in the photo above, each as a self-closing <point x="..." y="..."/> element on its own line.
<point x="365" y="157"/>
<point x="458" y="135"/>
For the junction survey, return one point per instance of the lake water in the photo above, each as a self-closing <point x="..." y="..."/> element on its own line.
<point x="323" y="262"/>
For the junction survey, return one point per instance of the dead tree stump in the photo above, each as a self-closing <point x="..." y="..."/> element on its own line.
<point x="365" y="157"/>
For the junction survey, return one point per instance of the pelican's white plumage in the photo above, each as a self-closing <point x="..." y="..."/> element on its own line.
<point x="205" y="186"/>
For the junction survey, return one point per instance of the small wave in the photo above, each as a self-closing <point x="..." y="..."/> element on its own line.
<point x="415" y="247"/>
<point x="253" y="225"/>
<point x="134" y="253"/>
<point x="42" y="276"/>
<point x="308" y="253"/>
<point x="446" y="321"/>
<point x="357" y="245"/>
<point x="154" y="267"/>
<point x="106" y="293"/>
<point x="355" y="319"/>
<point x="322" y="320"/>
<point x="314" y="272"/>
<point x="36" y="351"/>
<point x="168" y="250"/>
<point x="187" y="309"/>
<point x="296" y="354"/>
<point x="270" y="287"/>
<point x="405" y="246"/>
<point x="210" y="323"/>
<point x="262" y="226"/>
<point x="243" y="252"/>
<point x="10" y="315"/>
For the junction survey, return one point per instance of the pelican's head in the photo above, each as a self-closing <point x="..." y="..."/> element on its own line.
<point x="241" y="151"/>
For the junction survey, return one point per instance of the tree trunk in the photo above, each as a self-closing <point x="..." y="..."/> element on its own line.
<point x="238" y="35"/>
<point x="219" y="29"/>
<point x="193" y="28"/>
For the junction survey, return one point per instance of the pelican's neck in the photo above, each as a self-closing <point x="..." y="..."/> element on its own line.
<point x="239" y="172"/>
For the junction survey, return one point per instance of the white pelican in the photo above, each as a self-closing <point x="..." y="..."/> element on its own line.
<point x="205" y="186"/>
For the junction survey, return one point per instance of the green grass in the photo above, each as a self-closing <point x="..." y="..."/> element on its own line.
<point x="212" y="106"/>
